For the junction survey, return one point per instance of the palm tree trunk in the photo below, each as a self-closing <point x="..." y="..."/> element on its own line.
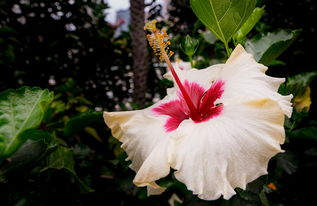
<point x="139" y="51"/>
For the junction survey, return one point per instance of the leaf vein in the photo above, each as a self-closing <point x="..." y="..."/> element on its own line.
<point x="217" y="22"/>
<point x="24" y="122"/>
<point x="226" y="12"/>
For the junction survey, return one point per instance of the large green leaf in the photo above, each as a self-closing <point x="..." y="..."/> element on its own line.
<point x="223" y="17"/>
<point x="271" y="45"/>
<point x="62" y="159"/>
<point x="20" y="110"/>
<point x="30" y="153"/>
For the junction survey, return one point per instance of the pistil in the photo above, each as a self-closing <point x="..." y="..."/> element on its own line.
<point x="159" y="42"/>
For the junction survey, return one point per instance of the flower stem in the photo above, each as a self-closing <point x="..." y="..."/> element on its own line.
<point x="191" y="61"/>
<point x="227" y="48"/>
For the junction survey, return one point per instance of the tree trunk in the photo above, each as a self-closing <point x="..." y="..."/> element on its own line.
<point x="139" y="51"/>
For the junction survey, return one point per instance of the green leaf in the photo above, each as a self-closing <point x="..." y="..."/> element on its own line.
<point x="287" y="161"/>
<point x="20" y="110"/>
<point x="223" y="17"/>
<point x="62" y="159"/>
<point x="263" y="198"/>
<point x="249" y="24"/>
<point x="295" y="121"/>
<point x="30" y="153"/>
<point x="305" y="133"/>
<point x="79" y="122"/>
<point x="256" y="185"/>
<point x="93" y="132"/>
<point x="276" y="63"/>
<point x="297" y="84"/>
<point x="268" y="47"/>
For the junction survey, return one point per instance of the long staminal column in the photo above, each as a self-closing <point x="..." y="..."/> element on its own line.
<point x="159" y="42"/>
<point x="190" y="104"/>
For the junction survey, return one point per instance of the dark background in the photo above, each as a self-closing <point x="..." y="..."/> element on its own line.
<point x="71" y="50"/>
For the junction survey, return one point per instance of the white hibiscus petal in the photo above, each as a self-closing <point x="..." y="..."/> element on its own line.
<point x="246" y="79"/>
<point x="182" y="65"/>
<point x="145" y="141"/>
<point x="204" y="77"/>
<point x="178" y="65"/>
<point x="214" y="157"/>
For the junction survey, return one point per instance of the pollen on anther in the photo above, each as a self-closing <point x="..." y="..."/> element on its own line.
<point x="158" y="40"/>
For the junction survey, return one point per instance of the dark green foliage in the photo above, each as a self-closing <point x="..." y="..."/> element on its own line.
<point x="297" y="84"/>
<point x="44" y="41"/>
<point x="68" y="156"/>
<point x="62" y="159"/>
<point x="21" y="111"/>
<point x="29" y="154"/>
<point x="267" y="47"/>
<point x="77" y="123"/>
<point x="292" y="15"/>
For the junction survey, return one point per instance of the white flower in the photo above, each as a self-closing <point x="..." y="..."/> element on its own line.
<point x="225" y="143"/>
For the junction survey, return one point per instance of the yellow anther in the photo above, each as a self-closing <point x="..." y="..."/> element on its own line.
<point x="151" y="26"/>
<point x="159" y="41"/>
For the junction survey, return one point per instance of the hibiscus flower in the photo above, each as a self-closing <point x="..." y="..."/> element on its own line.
<point x="217" y="127"/>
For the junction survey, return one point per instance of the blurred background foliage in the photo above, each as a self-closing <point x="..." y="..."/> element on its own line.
<point x="69" y="48"/>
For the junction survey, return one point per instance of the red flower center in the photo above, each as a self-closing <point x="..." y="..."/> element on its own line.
<point x="202" y="105"/>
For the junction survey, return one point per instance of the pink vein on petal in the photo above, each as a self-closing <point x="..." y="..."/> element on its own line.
<point x="174" y="110"/>
<point x="195" y="92"/>
<point x="211" y="95"/>
<point x="177" y="110"/>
